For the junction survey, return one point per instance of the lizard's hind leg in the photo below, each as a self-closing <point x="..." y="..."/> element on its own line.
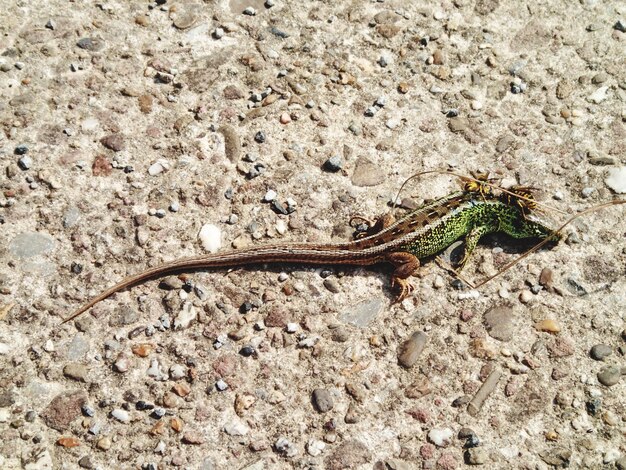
<point x="406" y="264"/>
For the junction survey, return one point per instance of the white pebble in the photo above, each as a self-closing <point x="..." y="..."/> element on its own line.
<point x="616" y="179"/>
<point x="158" y="167"/>
<point x="476" y="105"/>
<point x="48" y="346"/>
<point x="282" y="277"/>
<point x="292" y="327"/>
<point x="160" y="448"/>
<point x="270" y="195"/>
<point x="236" y="428"/>
<point x="185" y="316"/>
<point x="221" y="385"/>
<point x="177" y="372"/>
<point x="315" y="447"/>
<point x="211" y="237"/>
<point x="121" y="415"/>
<point x="473" y="294"/>
<point x="122" y="364"/>
<point x="440" y="436"/>
<point x="89" y="125"/>
<point x="218" y="33"/>
<point x="599" y="95"/>
<point x="611" y="455"/>
<point x="249" y="11"/>
<point x="155" y="370"/>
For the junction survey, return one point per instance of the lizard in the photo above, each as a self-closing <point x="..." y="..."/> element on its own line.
<point x="423" y="232"/>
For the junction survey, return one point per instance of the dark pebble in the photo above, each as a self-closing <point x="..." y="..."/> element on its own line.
<point x="278" y="32"/>
<point x="86" y="462"/>
<point x="333" y="164"/>
<point x="143" y="405"/>
<point x="593" y="406"/>
<point x="91" y="44"/>
<point x="247" y="351"/>
<point x="260" y="137"/>
<point x="21" y="149"/>
<point x="76" y="268"/>
<point x="245" y="307"/>
<point x="471" y="441"/>
<point x="279" y="208"/>
<point x="458" y="402"/>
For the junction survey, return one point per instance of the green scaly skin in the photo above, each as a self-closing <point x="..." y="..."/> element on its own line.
<point x="473" y="219"/>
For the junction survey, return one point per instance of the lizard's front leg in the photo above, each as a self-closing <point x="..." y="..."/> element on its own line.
<point x="406" y="264"/>
<point x="471" y="240"/>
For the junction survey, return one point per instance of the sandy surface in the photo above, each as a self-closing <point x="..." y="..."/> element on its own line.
<point x="128" y="126"/>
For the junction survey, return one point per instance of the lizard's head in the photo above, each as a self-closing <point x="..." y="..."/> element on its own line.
<point x="522" y="225"/>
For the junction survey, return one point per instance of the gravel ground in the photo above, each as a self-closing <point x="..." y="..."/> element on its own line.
<point x="127" y="127"/>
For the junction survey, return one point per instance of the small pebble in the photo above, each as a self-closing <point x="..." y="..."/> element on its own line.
<point x="122" y="364"/>
<point x="210" y="237"/>
<point x="260" y="137"/>
<point x="121" y="415"/>
<point x="218" y="33"/>
<point x="369" y="112"/>
<point x="143" y="405"/>
<point x="285" y="118"/>
<point x="609" y="375"/>
<point x="525" y="297"/>
<point x="158" y="413"/>
<point x="616" y="180"/>
<point x="292" y="327"/>
<point x="548" y="325"/>
<point x="600" y="351"/>
<point x="334" y="163"/>
<point x="270" y="195"/>
<point x="87" y="410"/>
<point x="322" y="400"/>
<point x="249" y="11"/>
<point x="25" y="163"/>
<point x="21" y="150"/>
<point x="177" y="372"/>
<point x="315" y="447"/>
<point x="285" y="447"/>
<point x="599" y="95"/>
<point x="247" y="351"/>
<point x="441" y="437"/>
<point x="104" y="443"/>
<point x="410" y="351"/>
<point x="477" y="456"/>
<point x="269" y="3"/>
<point x="587" y="192"/>
<point x="221" y="385"/>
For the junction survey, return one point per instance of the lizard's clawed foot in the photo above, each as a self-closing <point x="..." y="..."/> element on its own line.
<point x="406" y="264"/>
<point x="404" y="288"/>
